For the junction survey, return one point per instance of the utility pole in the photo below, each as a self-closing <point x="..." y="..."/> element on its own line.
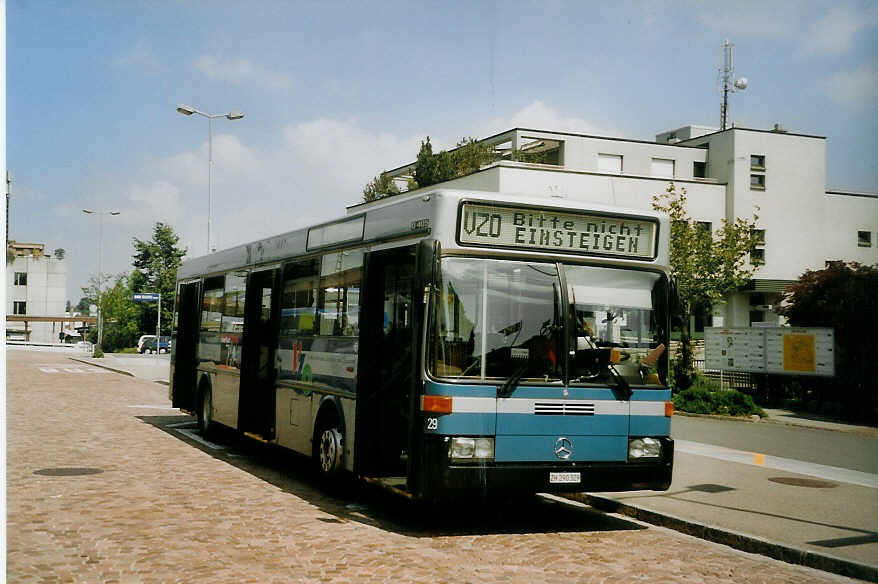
<point x="8" y="196"/>
<point x="726" y="74"/>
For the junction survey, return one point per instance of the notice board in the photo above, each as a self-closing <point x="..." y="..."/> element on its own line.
<point x="782" y="350"/>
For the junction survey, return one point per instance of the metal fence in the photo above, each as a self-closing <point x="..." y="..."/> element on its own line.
<point x="727" y="379"/>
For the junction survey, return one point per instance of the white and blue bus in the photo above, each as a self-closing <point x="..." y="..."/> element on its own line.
<point x="442" y="344"/>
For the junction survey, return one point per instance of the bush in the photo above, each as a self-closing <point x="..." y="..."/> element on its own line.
<point x="703" y="398"/>
<point x="98" y="353"/>
<point x="127" y="350"/>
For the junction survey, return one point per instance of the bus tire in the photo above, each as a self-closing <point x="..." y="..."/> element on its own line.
<point x="205" y="411"/>
<point x="328" y="447"/>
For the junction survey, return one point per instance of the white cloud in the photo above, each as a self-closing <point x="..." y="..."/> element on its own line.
<point x="815" y="29"/>
<point x="855" y="89"/>
<point x="749" y="18"/>
<point x="240" y="71"/>
<point x="834" y="32"/>
<point x="140" y="57"/>
<point x="160" y="199"/>
<point x="538" y="116"/>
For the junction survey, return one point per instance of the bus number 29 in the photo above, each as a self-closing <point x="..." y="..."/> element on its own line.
<point x="432" y="423"/>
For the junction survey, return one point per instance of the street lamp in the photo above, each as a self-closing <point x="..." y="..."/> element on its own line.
<point x="188" y="111"/>
<point x="100" y="215"/>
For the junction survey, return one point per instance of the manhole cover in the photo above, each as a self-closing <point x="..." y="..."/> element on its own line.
<point x="796" y="482"/>
<point x="67" y="472"/>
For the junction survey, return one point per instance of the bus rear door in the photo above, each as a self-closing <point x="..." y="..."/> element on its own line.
<point x="256" y="406"/>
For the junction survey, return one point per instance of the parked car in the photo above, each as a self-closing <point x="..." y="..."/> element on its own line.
<point x="149" y="345"/>
<point x="141" y="340"/>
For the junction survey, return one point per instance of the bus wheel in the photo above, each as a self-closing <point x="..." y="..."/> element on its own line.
<point x="328" y="449"/>
<point x="205" y="412"/>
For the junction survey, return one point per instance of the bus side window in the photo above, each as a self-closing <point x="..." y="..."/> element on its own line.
<point x="211" y="316"/>
<point x="298" y="317"/>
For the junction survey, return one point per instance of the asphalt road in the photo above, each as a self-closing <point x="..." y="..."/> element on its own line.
<point x="838" y="449"/>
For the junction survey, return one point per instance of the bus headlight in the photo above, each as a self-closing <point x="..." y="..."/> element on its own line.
<point x="640" y="448"/>
<point x="464" y="449"/>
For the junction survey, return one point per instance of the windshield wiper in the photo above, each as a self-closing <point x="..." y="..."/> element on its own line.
<point x="510" y="384"/>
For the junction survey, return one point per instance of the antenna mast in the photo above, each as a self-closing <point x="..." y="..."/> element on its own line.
<point x="726" y="74"/>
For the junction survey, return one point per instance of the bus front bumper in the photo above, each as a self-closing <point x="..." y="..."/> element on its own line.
<point x="441" y="476"/>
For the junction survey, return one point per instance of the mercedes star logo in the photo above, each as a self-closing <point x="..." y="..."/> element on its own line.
<point x="563" y="448"/>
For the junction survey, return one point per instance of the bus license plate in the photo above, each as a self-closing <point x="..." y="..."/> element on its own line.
<point x="564" y="477"/>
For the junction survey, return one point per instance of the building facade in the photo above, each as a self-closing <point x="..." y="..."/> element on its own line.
<point x="36" y="286"/>
<point x="778" y="174"/>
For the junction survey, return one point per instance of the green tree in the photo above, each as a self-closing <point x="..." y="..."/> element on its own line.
<point x="843" y="297"/>
<point x="706" y="266"/>
<point x="155" y="270"/>
<point x="116" y="308"/>
<point x="432" y="168"/>
<point x="379" y="187"/>
<point x="470" y="155"/>
<point x="121" y="315"/>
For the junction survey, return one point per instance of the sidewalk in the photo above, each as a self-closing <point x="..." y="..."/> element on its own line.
<point x="820" y="516"/>
<point x="143" y="367"/>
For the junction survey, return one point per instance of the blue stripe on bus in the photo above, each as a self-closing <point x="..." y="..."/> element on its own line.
<point x="650" y="426"/>
<point x="461" y="424"/>
<point x="529" y="424"/>
<point x="542" y="448"/>
<point x="433" y="388"/>
<point x="651" y="395"/>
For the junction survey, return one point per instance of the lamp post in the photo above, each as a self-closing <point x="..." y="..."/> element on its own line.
<point x="100" y="215"/>
<point x="188" y="111"/>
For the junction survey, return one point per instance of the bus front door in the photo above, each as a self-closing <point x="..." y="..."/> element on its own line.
<point x="385" y="371"/>
<point x="256" y="406"/>
<point x="183" y="348"/>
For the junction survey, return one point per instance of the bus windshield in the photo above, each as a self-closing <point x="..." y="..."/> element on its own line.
<point x="494" y="320"/>
<point x="616" y="327"/>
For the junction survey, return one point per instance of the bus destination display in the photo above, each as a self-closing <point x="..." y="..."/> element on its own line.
<point x="523" y="228"/>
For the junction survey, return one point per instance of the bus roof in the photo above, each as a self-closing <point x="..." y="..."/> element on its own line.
<point x="414" y="215"/>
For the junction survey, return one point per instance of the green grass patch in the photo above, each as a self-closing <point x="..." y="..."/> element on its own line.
<point x="704" y="397"/>
<point x="127" y="350"/>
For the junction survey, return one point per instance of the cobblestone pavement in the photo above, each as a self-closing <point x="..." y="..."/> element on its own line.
<point x="105" y="485"/>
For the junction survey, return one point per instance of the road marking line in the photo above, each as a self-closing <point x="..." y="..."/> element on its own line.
<point x="199" y="439"/>
<point x="829" y="473"/>
<point x="48" y="370"/>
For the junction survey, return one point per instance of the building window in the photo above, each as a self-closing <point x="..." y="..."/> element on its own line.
<point x="705" y="226"/>
<point x="19" y="307"/>
<point x="757" y="182"/>
<point x="864" y="239"/>
<point x="610" y="163"/>
<point x="21" y="278"/>
<point x="757" y="256"/>
<point x="663" y="167"/>
<point x="757" y="162"/>
<point x="699" y="169"/>
<point x="758" y="236"/>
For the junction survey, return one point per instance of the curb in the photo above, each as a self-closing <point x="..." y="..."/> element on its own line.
<point x="739" y="541"/>
<point x="859" y="430"/>
<point x="107" y="367"/>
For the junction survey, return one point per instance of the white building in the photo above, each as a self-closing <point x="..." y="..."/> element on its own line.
<point x="36" y="286"/>
<point x="726" y="174"/>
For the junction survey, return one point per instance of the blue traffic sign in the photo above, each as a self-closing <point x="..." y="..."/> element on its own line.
<point x="145" y="296"/>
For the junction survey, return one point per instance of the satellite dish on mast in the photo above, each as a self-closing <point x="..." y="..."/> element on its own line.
<point x="741" y="83"/>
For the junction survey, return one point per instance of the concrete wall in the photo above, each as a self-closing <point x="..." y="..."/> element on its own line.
<point x="843" y="216"/>
<point x="45" y="294"/>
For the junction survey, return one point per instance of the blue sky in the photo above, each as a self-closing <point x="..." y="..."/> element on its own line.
<point x="334" y="92"/>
